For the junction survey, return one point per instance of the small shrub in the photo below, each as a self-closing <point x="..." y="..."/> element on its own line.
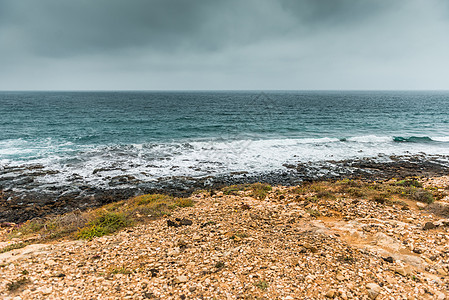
<point x="409" y="183"/>
<point x="314" y="213"/>
<point x="235" y="189"/>
<point x="15" y="285"/>
<point x="356" y="192"/>
<point x="422" y="196"/>
<point x="325" y="194"/>
<point x="261" y="284"/>
<point x="381" y="198"/>
<point x="105" y="223"/>
<point x="13" y="247"/>
<point x="150" y="198"/>
<point x="240" y="235"/>
<point x="53" y="227"/>
<point x="346" y="259"/>
<point x="184" y="202"/>
<point x="121" y="270"/>
<point x="260" y="190"/>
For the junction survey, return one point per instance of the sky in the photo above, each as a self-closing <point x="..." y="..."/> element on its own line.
<point x="224" y="45"/>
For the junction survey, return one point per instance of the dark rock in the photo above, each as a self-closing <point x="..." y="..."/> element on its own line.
<point x="185" y="222"/>
<point x="388" y="259"/>
<point x="154" y="272"/>
<point x="429" y="225"/>
<point x="170" y="223"/>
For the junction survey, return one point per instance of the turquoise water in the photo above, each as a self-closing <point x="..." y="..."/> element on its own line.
<point x="150" y="135"/>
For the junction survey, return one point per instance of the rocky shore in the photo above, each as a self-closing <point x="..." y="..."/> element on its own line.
<point x="24" y="197"/>
<point x="348" y="239"/>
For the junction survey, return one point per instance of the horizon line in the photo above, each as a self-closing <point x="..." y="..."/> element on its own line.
<point x="230" y="90"/>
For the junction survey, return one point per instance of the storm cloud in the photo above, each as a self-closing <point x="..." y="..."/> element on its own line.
<point x="201" y="44"/>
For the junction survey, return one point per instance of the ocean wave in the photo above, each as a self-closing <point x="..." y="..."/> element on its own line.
<point x="441" y="138"/>
<point x="151" y="161"/>
<point x="368" y="139"/>
<point x="413" y="139"/>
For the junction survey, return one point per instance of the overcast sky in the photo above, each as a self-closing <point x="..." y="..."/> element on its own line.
<point x="228" y="44"/>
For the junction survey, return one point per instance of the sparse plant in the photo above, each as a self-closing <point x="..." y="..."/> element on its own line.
<point x="121" y="270"/>
<point x="422" y="196"/>
<point x="235" y="189"/>
<point x="325" y="194"/>
<point x="105" y="223"/>
<point x="13" y="247"/>
<point x="261" y="284"/>
<point x="314" y="213"/>
<point x="17" y="284"/>
<point x="409" y="183"/>
<point x="260" y="190"/>
<point x="240" y="235"/>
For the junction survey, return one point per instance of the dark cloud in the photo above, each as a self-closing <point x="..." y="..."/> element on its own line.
<point x="337" y="13"/>
<point x="220" y="44"/>
<point x="59" y="27"/>
<point x="62" y="27"/>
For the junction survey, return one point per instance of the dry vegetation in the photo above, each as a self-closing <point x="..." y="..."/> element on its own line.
<point x="97" y="222"/>
<point x="118" y="215"/>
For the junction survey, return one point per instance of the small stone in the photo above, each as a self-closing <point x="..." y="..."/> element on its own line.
<point x="182" y="243"/>
<point x="441" y="272"/>
<point x="50" y="262"/>
<point x="340" y="277"/>
<point x="388" y="259"/>
<point x="172" y="252"/>
<point x="170" y="223"/>
<point x="331" y="293"/>
<point x="400" y="271"/>
<point x="421" y="205"/>
<point x="429" y="225"/>
<point x="390" y="280"/>
<point x="181" y="279"/>
<point x="46" y="291"/>
<point x="294" y="261"/>
<point x="373" y="290"/>
<point x="185" y="222"/>
<point x="441" y="296"/>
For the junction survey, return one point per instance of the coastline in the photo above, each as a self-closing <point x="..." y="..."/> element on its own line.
<point x="23" y="199"/>
<point x="321" y="240"/>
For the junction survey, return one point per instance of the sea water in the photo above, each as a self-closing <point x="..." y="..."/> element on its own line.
<point x="152" y="135"/>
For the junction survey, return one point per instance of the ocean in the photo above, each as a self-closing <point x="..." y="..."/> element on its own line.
<point x="94" y="138"/>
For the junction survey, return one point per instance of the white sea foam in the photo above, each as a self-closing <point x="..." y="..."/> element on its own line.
<point x="441" y="138"/>
<point x="98" y="165"/>
<point x="371" y="139"/>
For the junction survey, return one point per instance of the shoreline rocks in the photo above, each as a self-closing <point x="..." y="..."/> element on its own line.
<point x="21" y="201"/>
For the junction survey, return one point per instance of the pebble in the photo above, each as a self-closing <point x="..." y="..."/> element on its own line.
<point x="271" y="256"/>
